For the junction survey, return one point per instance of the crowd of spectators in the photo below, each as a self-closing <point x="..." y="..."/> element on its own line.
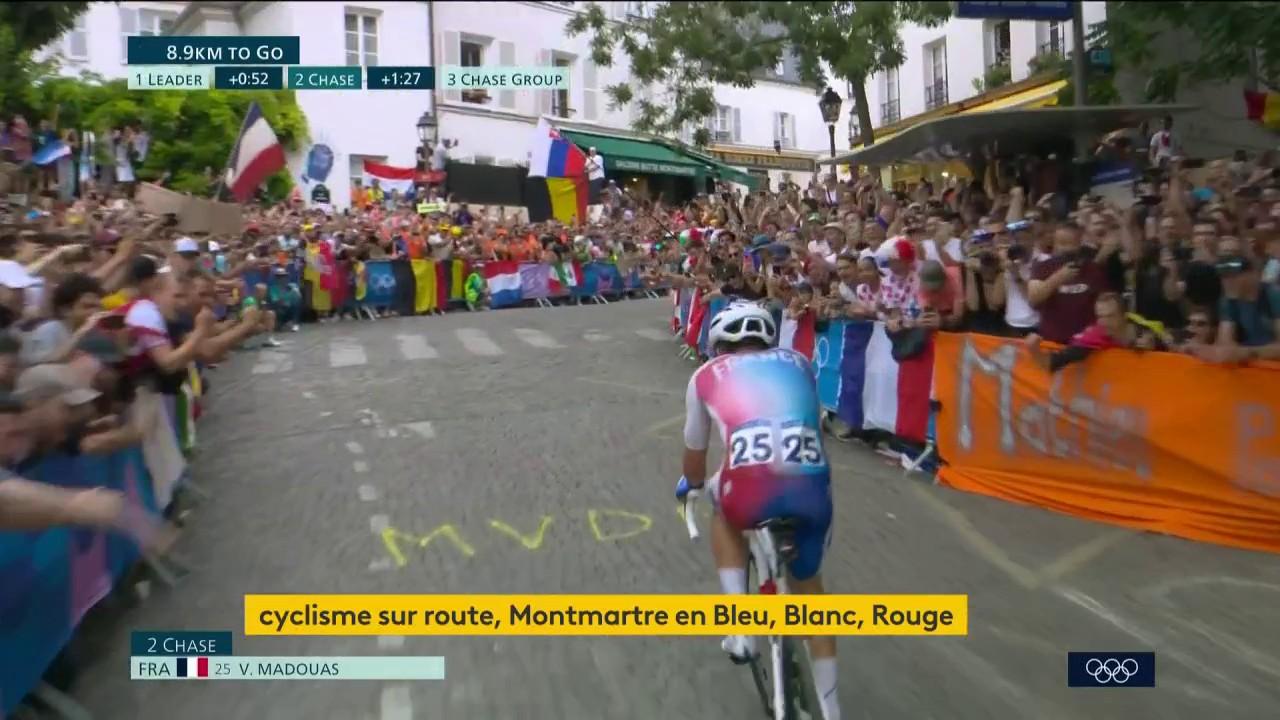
<point x="1181" y="266"/>
<point x="101" y="302"/>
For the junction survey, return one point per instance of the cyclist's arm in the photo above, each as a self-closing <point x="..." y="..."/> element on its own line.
<point x="697" y="431"/>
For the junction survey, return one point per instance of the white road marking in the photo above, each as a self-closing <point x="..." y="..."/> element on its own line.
<point x="309" y="395"/>
<point x="396" y="703"/>
<point x="360" y="466"/>
<point x="368" y="493"/>
<point x="390" y="642"/>
<point x="423" y="428"/>
<point x="537" y="338"/>
<point x="346" y="352"/>
<point x="378" y="523"/>
<point x="380" y="564"/>
<point x="1151" y="641"/>
<point x="654" y="334"/>
<point x="595" y="336"/>
<point x="326" y="413"/>
<point x="271" y="362"/>
<point x="477" y="342"/>
<point x="415" y="347"/>
<point x="355" y="448"/>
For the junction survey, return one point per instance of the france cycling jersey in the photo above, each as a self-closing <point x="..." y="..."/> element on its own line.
<point x="765" y="406"/>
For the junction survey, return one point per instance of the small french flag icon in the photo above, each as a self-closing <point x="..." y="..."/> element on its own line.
<point x="193" y="667"/>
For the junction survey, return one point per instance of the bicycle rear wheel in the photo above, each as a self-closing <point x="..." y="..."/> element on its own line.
<point x="758" y="673"/>
<point x="802" y="696"/>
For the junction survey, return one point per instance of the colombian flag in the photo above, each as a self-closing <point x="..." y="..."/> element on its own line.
<point x="557" y="182"/>
<point x="1263" y="108"/>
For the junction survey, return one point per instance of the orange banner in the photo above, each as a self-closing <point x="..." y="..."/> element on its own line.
<point x="1152" y="441"/>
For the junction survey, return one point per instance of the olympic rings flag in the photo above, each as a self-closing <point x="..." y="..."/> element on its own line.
<point x="1111" y="669"/>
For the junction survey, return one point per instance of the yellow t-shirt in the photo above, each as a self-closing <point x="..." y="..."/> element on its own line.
<point x="117" y="299"/>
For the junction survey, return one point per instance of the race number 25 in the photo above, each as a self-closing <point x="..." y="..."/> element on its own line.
<point x="758" y="444"/>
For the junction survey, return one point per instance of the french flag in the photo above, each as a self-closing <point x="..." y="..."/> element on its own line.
<point x="799" y="334"/>
<point x="503" y="279"/>
<point x="697" y="311"/>
<point x="257" y="154"/>
<point x="193" y="667"/>
<point x="876" y="391"/>
<point x="389" y="177"/>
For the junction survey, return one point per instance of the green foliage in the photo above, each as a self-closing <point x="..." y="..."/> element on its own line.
<point x="190" y="131"/>
<point x="36" y="24"/>
<point x="1230" y="38"/>
<point x="994" y="77"/>
<point x="687" y="48"/>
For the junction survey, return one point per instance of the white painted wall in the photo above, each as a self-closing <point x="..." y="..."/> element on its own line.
<point x="528" y="33"/>
<point x="369" y="123"/>
<point x="968" y="46"/>
<point x="104" y="39"/>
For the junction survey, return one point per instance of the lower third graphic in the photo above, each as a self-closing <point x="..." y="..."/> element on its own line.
<point x="1111" y="669"/>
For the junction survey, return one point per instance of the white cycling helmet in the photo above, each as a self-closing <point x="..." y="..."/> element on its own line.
<point x="740" y="321"/>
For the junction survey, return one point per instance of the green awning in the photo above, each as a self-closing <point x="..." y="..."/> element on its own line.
<point x="725" y="171"/>
<point x="627" y="155"/>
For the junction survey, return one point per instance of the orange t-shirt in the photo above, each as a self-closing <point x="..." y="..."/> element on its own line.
<point x="417" y="247"/>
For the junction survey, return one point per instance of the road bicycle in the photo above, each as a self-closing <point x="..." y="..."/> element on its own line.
<point x="786" y="687"/>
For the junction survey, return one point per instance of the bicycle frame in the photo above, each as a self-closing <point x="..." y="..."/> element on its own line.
<point x="773" y="580"/>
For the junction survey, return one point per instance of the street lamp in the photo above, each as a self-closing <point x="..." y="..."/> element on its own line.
<point x="427" y="128"/>
<point x="829" y="105"/>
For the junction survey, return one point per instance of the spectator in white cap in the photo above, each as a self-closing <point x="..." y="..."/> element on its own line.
<point x="186" y="252"/>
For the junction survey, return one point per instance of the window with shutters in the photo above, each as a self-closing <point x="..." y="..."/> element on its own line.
<point x="362" y="39"/>
<point x="471" y="52"/>
<point x="890" y="109"/>
<point x="75" y="44"/>
<point x="784" y="130"/>
<point x="935" y="74"/>
<point x="560" y="98"/>
<point x="134" y="21"/>
<point x="722" y="124"/>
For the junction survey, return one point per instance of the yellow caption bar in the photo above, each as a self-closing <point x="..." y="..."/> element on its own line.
<point x="606" y="614"/>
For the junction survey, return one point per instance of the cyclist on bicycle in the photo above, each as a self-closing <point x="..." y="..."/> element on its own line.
<point x="764" y="402"/>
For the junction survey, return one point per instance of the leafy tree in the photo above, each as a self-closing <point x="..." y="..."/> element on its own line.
<point x="688" y="47"/>
<point x="190" y="131"/>
<point x="24" y="28"/>
<point x="1234" y="40"/>
<point x="36" y="24"/>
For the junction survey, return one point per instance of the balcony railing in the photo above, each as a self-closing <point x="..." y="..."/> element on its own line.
<point x="560" y="105"/>
<point x="890" y="112"/>
<point x="1055" y="46"/>
<point x="935" y="94"/>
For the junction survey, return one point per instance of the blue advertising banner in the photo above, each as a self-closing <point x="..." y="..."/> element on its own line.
<point x="1015" y="10"/>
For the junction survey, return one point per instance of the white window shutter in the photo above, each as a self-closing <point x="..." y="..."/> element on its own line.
<point x="777" y="127"/>
<point x="590" y="93"/>
<point x="791" y="130"/>
<point x="507" y="58"/>
<point x="128" y="26"/>
<point x="544" y="96"/>
<point x="452" y="44"/>
<point x="737" y="125"/>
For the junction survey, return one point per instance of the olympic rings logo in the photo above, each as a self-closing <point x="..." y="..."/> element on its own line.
<point x="382" y="281"/>
<point x="1111" y="670"/>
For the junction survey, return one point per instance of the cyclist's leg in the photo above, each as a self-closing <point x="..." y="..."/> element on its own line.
<point x="812" y="539"/>
<point x="729" y="548"/>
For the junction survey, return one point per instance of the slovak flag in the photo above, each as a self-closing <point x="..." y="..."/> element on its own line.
<point x="193" y="667"/>
<point x="257" y="154"/>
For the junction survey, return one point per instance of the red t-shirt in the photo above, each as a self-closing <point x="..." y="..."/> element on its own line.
<point x="1070" y="309"/>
